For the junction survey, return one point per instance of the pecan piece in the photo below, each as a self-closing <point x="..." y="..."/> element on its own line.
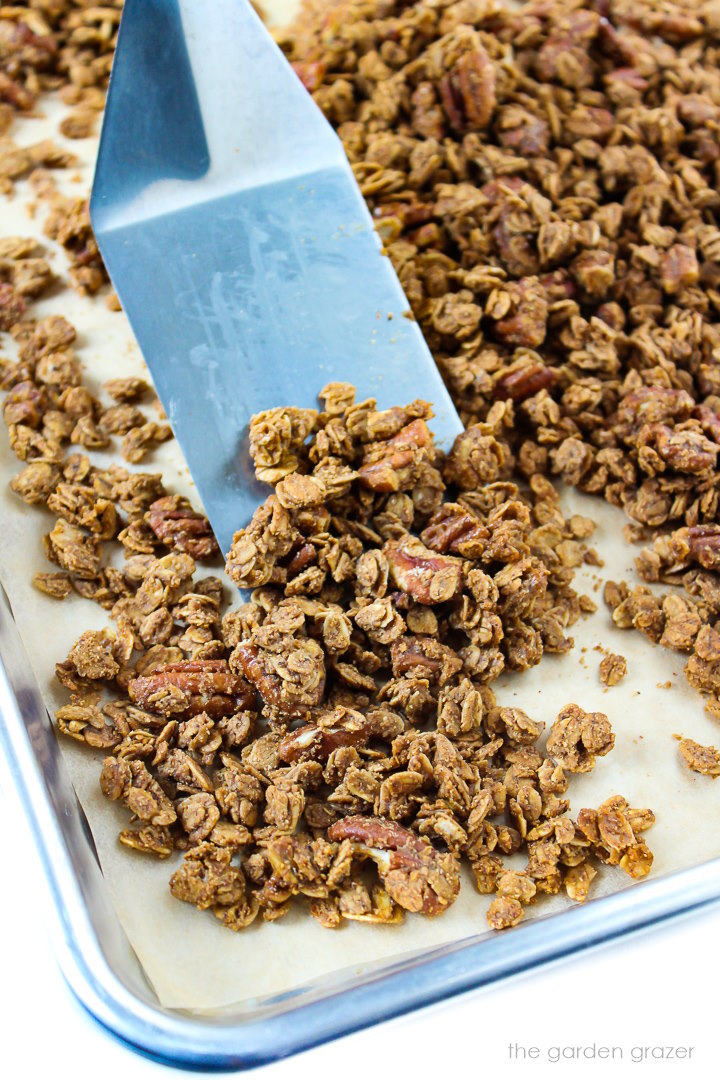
<point x="678" y="268"/>
<point x="174" y="523"/>
<point x="310" y="73"/>
<point x="455" y="529"/>
<point x="425" y="657"/>
<point x="520" y="130"/>
<point x="525" y="381"/>
<point x="425" y="575"/>
<point x="414" y="873"/>
<point x="709" y="421"/>
<point x="682" y="450"/>
<point x="301" y="557"/>
<point x="704" y="544"/>
<point x="525" y="323"/>
<point x="467" y="91"/>
<point x="193" y="686"/>
<point x="654" y="404"/>
<point x="317" y="743"/>
<point x="291" y="679"/>
<point x="390" y="465"/>
<point x="565" y="54"/>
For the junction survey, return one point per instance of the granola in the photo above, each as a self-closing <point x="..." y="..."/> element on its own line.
<point x="543" y="177"/>
<point x="336" y="736"/>
<point x="545" y="182"/>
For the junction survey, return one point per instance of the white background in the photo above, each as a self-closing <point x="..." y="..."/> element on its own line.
<point x="658" y="989"/>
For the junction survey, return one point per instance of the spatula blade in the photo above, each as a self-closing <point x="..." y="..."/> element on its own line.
<point x="250" y="278"/>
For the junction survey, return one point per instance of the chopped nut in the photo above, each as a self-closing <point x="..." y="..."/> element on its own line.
<point x="175" y="523"/>
<point x="415" y="875"/>
<point x="192" y="687"/>
<point x="613" y="668"/>
<point x="427" y="577"/>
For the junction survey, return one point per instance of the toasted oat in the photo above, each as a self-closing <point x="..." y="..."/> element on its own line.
<point x="700" y="759"/>
<point x="577" y="737"/>
<point x="78" y="124"/>
<point x="59" y="586"/>
<point x="140" y="440"/>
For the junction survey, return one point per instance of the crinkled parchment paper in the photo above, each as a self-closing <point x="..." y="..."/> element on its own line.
<point x="190" y="958"/>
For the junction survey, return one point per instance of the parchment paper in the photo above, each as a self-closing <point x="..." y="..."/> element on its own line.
<point x="190" y="958"/>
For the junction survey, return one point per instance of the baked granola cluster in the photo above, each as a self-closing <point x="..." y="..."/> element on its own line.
<point x="545" y="177"/>
<point x="65" y="46"/>
<point x="545" y="180"/>
<point x="52" y="419"/>
<point x="342" y="717"/>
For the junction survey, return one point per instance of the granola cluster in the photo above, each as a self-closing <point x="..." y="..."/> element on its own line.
<point x="545" y="181"/>
<point x="335" y="736"/>
<point x="65" y="46"/>
<point x="52" y="419"/>
<point x="545" y="178"/>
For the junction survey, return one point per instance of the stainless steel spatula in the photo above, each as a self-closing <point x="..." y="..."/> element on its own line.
<point x="239" y="244"/>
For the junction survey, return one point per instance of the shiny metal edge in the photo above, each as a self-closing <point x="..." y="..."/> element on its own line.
<point x="101" y="970"/>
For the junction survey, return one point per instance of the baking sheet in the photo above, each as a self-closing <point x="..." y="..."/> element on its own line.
<point x="190" y="958"/>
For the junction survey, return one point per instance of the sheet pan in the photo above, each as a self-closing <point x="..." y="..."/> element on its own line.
<point x="175" y="981"/>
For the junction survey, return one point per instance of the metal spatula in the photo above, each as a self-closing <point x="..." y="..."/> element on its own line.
<point x="239" y="244"/>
